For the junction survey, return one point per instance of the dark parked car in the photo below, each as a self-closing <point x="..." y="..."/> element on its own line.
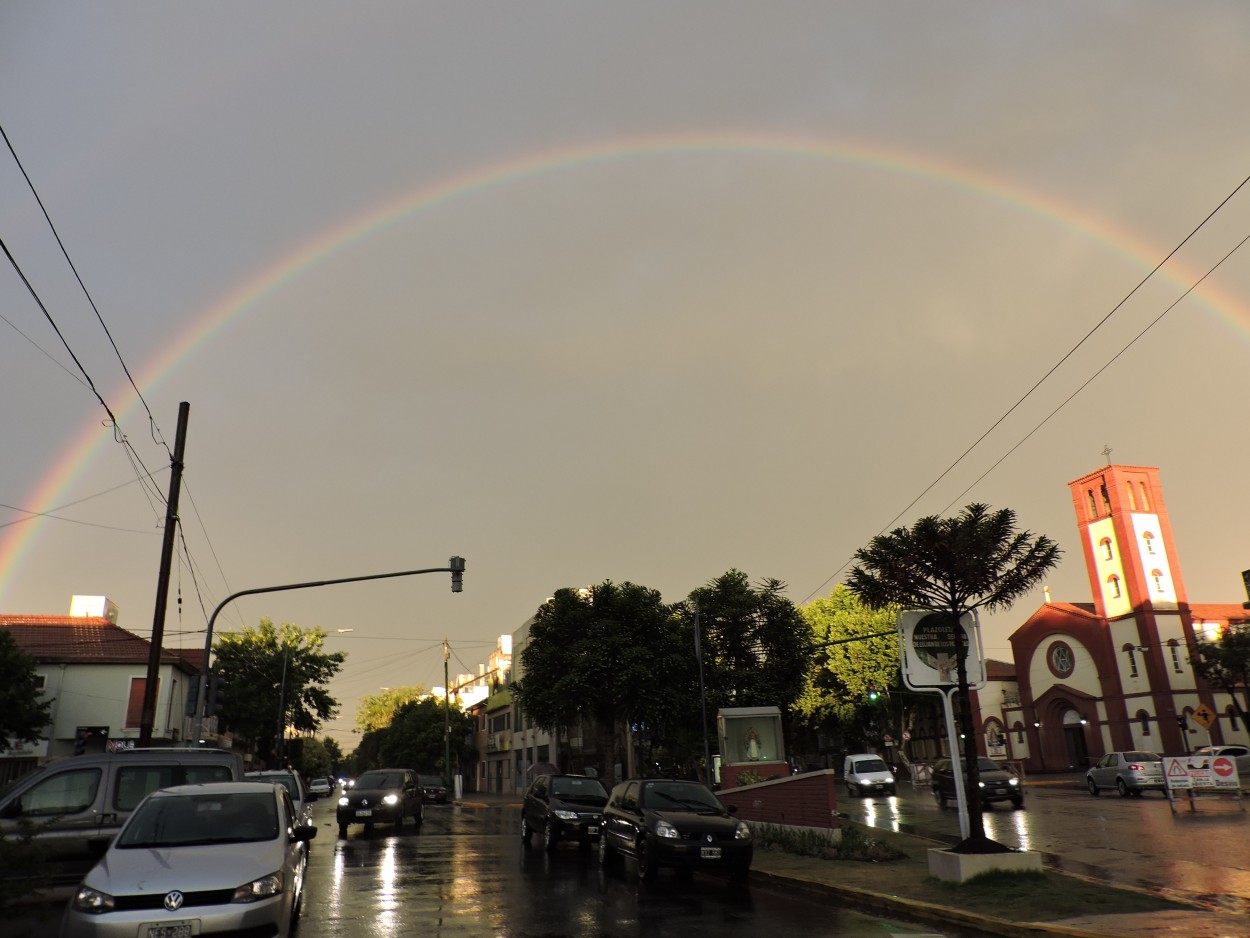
<point x="1129" y="773"/>
<point x="997" y="783"/>
<point x="563" y="807"/>
<point x="381" y="795"/>
<point x="680" y="824"/>
<point x="433" y="788"/>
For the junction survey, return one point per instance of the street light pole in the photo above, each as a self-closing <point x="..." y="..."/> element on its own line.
<point x="455" y="567"/>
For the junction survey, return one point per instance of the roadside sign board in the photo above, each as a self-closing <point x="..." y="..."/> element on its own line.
<point x="1201" y="772"/>
<point x="928" y="646"/>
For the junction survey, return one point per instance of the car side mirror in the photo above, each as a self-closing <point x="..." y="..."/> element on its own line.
<point x="304" y="832"/>
<point x="731" y="808"/>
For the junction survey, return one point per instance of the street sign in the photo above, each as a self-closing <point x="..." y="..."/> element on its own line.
<point x="1195" y="772"/>
<point x="928" y="646"/>
<point x="1204" y="716"/>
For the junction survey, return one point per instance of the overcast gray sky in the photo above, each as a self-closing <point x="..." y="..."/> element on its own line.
<point x="586" y="291"/>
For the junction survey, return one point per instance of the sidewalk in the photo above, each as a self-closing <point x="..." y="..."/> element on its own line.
<point x="895" y="890"/>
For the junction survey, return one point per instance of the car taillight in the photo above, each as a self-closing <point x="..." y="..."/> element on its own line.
<point x="1136" y="768"/>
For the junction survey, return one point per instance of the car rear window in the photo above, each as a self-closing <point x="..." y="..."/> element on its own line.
<point x="1143" y="757"/>
<point x="136" y="782"/>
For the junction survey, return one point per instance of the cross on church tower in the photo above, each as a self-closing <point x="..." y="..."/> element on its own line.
<point x="1106" y="452"/>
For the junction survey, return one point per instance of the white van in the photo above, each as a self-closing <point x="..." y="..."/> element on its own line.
<point x="75" y="805"/>
<point x="866" y="773"/>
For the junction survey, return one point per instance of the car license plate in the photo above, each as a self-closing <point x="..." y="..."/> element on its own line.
<point x="364" y="812"/>
<point x="169" y="930"/>
<point x="592" y="830"/>
<point x="709" y="853"/>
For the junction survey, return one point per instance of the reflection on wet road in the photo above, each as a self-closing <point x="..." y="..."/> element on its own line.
<point x="1133" y="841"/>
<point x="465" y="873"/>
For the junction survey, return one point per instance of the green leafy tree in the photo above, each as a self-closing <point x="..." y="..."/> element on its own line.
<point x="275" y="677"/>
<point x="951" y="566"/>
<point x="757" y="648"/>
<point x="853" y="662"/>
<point x="334" y="751"/>
<point x="22" y="716"/>
<point x="1225" y="663"/>
<point x="375" y="711"/>
<point x="612" y="654"/>
<point x="414" y="738"/>
<point x="314" y="759"/>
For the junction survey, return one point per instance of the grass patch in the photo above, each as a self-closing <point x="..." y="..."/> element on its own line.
<point x="898" y="865"/>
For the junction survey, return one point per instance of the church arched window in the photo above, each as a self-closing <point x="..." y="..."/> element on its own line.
<point x="1113" y="583"/>
<point x="1149" y="540"/>
<point x="1157" y="576"/>
<point x="1105" y="544"/>
<point x="1143" y="718"/>
<point x="1132" y="659"/>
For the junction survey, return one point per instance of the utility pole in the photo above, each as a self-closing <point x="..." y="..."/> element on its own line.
<point x="148" y="718"/>
<point x="447" y="724"/>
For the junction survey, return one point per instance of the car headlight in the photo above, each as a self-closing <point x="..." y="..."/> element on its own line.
<point x="980" y="784"/>
<point x="565" y="815"/>
<point x="343" y="802"/>
<point x="743" y="832"/>
<point x="93" y="901"/>
<point x="1013" y="781"/>
<point x="391" y="799"/>
<point x="261" y="888"/>
<point x="665" y="829"/>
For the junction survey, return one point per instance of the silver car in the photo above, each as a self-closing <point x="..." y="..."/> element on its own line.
<point x="1129" y="773"/>
<point x="224" y="858"/>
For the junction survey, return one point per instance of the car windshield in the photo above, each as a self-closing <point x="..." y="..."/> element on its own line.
<point x="380" y="780"/>
<point x="571" y="789"/>
<point x="286" y="781"/>
<point x="431" y="781"/>
<point x="1143" y="757"/>
<point x="186" y="820"/>
<point x="689" y="795"/>
<point x="870" y="765"/>
<point x="985" y="764"/>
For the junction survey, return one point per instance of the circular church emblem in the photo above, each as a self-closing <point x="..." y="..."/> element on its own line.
<point x="936" y="643"/>
<point x="1061" y="660"/>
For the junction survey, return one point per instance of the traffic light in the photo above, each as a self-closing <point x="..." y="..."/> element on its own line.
<point x="873" y="694"/>
<point x="193" y="695"/>
<point x="216" y="694"/>
<point x="457" y="574"/>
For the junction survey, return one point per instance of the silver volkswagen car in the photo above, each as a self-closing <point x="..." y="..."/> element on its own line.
<point x="224" y="858"/>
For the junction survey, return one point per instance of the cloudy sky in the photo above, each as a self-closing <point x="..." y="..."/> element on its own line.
<point x="588" y="291"/>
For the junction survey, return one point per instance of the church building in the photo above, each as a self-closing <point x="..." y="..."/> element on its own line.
<point x="1115" y="674"/>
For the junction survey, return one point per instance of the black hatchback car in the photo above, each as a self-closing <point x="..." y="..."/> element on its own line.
<point x="563" y="807"/>
<point x="675" y="823"/>
<point x="381" y="796"/>
<point x="997" y="783"/>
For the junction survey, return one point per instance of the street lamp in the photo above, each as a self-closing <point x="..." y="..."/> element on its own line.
<point x="455" y="567"/>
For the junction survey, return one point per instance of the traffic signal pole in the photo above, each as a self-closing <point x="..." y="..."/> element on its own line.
<point x="455" y="566"/>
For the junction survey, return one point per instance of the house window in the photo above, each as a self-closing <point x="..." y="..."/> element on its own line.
<point x="1144" y="718"/>
<point x="134" y="704"/>
<point x="1113" y="583"/>
<point x="1157" y="576"/>
<point x="1132" y="659"/>
<point x="1176" y="657"/>
<point x="1105" y="544"/>
<point x="1149" y="540"/>
<point x="41" y="681"/>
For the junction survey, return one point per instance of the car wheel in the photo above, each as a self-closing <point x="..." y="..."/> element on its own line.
<point x="1121" y="787"/>
<point x="342" y="832"/>
<point x="941" y="797"/>
<point x="646" y="865"/>
<point x="740" y="873"/>
<point x="526" y="833"/>
<point x="1093" y="787"/>
<point x="399" y="818"/>
<point x="605" y="851"/>
<point x="1017" y="803"/>
<point x="850" y="790"/>
<point x="550" y="838"/>
<point x="419" y="817"/>
<point x="1137" y="792"/>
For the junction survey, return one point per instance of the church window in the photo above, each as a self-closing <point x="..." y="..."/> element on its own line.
<point x="1145" y="499"/>
<point x="1157" y="576"/>
<point x="1176" y="656"/>
<point x="1113" y="584"/>
<point x="1149" y="540"/>
<point x="1093" y="505"/>
<point x="1132" y="659"/>
<point x="1144" y="717"/>
<point x="1132" y="499"/>
<point x="1106" y="499"/>
<point x="1105" y="544"/>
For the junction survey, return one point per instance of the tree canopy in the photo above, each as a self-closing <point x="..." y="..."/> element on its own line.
<point x="952" y="566"/>
<point x="1225" y="663"/>
<point x="23" y="717"/>
<point x="852" y="660"/>
<point x="376" y="711"/>
<point x="271" y="669"/>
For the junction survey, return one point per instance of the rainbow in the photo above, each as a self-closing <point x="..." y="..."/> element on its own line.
<point x="248" y="296"/>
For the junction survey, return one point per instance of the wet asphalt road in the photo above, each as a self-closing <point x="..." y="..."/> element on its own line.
<point x="465" y="873"/>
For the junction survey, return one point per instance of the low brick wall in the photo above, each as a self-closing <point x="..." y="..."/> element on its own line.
<point x="808" y="800"/>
